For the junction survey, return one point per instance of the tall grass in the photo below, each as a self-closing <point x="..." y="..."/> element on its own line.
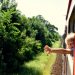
<point x="41" y="65"/>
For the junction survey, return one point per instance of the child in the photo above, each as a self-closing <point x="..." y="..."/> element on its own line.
<point x="69" y="46"/>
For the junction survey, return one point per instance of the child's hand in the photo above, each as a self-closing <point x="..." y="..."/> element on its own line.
<point x="47" y="49"/>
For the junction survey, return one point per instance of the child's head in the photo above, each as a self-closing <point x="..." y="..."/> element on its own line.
<point x="70" y="40"/>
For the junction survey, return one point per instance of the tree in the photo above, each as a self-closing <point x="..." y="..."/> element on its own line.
<point x="21" y="37"/>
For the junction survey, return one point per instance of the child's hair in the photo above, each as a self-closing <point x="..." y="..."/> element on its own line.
<point x="69" y="37"/>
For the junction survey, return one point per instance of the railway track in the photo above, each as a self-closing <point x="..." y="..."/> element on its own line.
<point x="57" y="66"/>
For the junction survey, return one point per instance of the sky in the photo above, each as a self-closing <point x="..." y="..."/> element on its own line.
<point x="53" y="11"/>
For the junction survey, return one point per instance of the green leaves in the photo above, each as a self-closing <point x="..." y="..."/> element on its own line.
<point x="21" y="38"/>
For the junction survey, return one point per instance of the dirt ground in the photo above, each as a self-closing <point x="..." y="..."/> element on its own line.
<point x="57" y="66"/>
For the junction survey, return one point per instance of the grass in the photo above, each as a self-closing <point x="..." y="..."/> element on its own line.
<point x="57" y="44"/>
<point x="41" y="65"/>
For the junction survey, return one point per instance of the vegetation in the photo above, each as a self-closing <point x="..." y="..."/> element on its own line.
<point x="21" y="38"/>
<point x="41" y="65"/>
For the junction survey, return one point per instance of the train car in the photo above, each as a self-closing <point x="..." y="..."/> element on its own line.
<point x="70" y="23"/>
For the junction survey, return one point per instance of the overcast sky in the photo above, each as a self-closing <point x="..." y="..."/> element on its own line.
<point x="52" y="10"/>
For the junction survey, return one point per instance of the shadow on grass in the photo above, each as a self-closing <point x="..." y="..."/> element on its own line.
<point x="25" y="71"/>
<point x="29" y="71"/>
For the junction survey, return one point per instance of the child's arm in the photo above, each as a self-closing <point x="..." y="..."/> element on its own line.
<point x="57" y="50"/>
<point x="61" y="50"/>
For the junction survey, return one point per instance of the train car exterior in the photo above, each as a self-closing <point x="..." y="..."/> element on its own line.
<point x="70" y="23"/>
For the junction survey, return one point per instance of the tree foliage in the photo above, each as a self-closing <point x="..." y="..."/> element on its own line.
<point x="21" y="38"/>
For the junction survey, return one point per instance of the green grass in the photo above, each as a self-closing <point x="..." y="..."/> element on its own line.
<point x="41" y="65"/>
<point x="57" y="44"/>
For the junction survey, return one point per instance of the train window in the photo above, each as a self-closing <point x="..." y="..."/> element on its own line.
<point x="68" y="28"/>
<point x="71" y="27"/>
<point x="74" y="26"/>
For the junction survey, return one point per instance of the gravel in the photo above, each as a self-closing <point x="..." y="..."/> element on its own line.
<point x="57" y="66"/>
